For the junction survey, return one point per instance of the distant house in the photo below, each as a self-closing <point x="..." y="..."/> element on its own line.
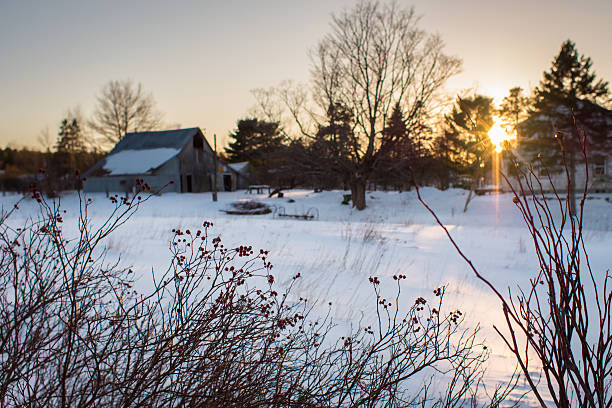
<point x="243" y="171"/>
<point x="599" y="152"/>
<point x="179" y="161"/>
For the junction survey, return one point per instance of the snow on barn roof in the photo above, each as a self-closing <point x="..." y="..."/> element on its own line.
<point x="142" y="152"/>
<point x="239" y="167"/>
<point x="137" y="161"/>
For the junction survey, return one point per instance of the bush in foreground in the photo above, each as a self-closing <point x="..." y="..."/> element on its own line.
<point x="215" y="331"/>
<point x="558" y="327"/>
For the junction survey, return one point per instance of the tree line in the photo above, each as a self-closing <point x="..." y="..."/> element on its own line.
<point x="373" y="116"/>
<point x="122" y="107"/>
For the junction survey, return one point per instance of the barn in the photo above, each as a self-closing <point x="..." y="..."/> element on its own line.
<point x="179" y="161"/>
<point x="242" y="170"/>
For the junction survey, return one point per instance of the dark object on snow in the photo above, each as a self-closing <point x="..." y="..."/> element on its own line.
<point x="275" y="191"/>
<point x="488" y="190"/>
<point x="346" y="198"/>
<point x="258" y="188"/>
<point x="250" y="207"/>
<point x="311" y="214"/>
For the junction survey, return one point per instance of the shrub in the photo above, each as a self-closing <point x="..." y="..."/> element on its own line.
<point x="215" y="331"/>
<point x="558" y="328"/>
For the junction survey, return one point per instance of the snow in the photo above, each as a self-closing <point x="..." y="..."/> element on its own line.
<point x="138" y="161"/>
<point x="336" y="253"/>
<point x="239" y="167"/>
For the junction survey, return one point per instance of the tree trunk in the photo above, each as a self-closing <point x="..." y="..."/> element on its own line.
<point x="358" y="189"/>
<point x="475" y="182"/>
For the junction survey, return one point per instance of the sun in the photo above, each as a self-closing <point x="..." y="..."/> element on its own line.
<point x="498" y="135"/>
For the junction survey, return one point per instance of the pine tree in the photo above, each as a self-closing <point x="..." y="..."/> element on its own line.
<point x="570" y="79"/>
<point x="253" y="140"/>
<point x="442" y="164"/>
<point x="70" y="138"/>
<point x="395" y="142"/>
<point x="403" y="150"/>
<point x="513" y="109"/>
<point x="566" y="100"/>
<point x="258" y="142"/>
<point x="69" y="154"/>
<point x="330" y="151"/>
<point x="466" y="138"/>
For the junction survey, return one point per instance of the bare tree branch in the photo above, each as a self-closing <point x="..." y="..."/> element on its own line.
<point x="123" y="107"/>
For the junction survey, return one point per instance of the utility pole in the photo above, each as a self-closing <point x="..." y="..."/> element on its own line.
<point x="214" y="195"/>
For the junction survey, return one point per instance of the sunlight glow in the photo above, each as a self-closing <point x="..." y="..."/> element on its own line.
<point x="498" y="135"/>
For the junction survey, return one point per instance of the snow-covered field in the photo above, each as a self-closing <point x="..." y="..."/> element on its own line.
<point x="337" y="252"/>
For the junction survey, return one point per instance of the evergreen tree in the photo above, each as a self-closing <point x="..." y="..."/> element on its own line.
<point x="253" y="140"/>
<point x="396" y="143"/>
<point x="466" y="144"/>
<point x="442" y="163"/>
<point x="258" y="142"/>
<point x="330" y="151"/>
<point x="402" y="150"/>
<point x="570" y="79"/>
<point x="566" y="100"/>
<point x="337" y="134"/>
<point x="70" y="138"/>
<point x="70" y="154"/>
<point x="513" y="109"/>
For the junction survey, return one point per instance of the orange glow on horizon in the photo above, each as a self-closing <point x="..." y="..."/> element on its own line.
<point x="498" y="135"/>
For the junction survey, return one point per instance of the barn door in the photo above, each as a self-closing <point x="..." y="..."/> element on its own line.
<point x="227" y="182"/>
<point x="189" y="183"/>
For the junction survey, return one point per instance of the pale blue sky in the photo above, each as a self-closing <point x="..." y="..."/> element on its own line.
<point x="200" y="59"/>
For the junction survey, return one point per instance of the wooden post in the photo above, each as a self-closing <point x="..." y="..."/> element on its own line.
<point x="214" y="195"/>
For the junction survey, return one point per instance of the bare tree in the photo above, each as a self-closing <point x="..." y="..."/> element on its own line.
<point x="374" y="57"/>
<point x="124" y="107"/>
<point x="45" y="140"/>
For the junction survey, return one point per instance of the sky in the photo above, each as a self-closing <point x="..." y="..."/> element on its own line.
<point x="200" y="59"/>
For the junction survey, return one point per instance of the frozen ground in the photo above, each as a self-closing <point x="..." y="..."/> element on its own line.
<point x="339" y="251"/>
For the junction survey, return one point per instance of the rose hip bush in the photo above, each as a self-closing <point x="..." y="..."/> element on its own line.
<point x="216" y="330"/>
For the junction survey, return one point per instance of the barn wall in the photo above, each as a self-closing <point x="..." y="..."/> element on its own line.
<point x="195" y="160"/>
<point x="199" y="163"/>
<point x="225" y="171"/>
<point x="123" y="184"/>
<point x="242" y="181"/>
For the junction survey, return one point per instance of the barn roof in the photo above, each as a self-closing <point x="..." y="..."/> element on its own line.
<point x="162" y="139"/>
<point x="143" y="152"/>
